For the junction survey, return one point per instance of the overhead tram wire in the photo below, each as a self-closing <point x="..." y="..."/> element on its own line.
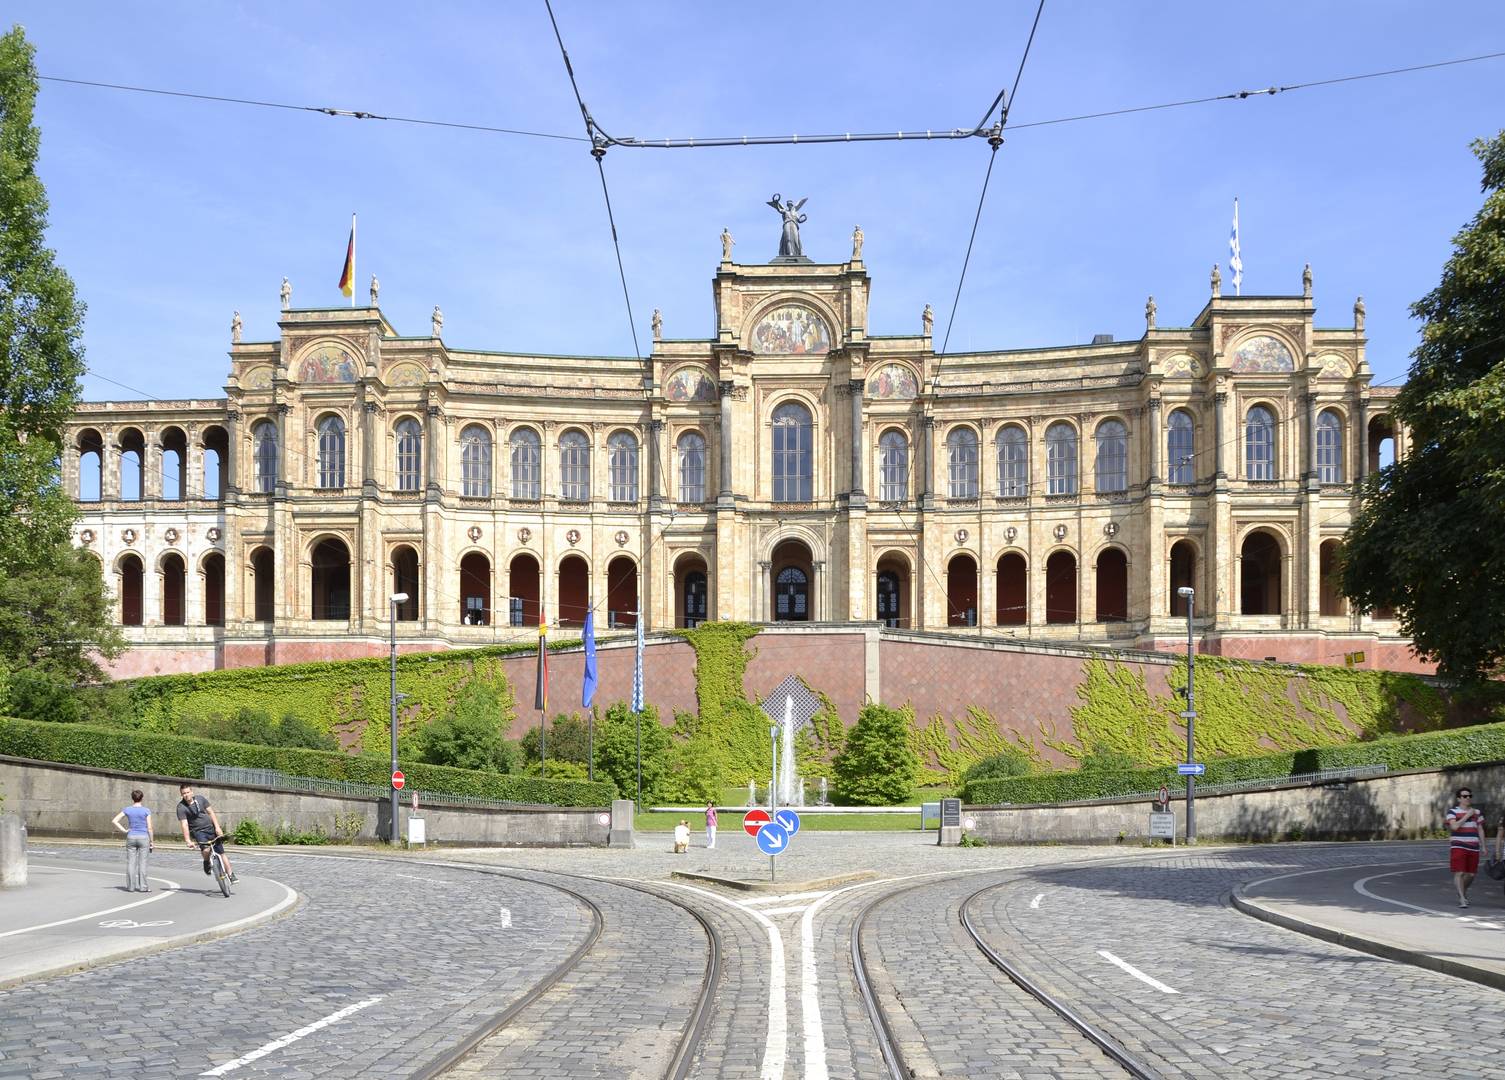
<point x="995" y="140"/>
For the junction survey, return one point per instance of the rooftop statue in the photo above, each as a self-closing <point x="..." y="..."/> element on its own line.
<point x="789" y="241"/>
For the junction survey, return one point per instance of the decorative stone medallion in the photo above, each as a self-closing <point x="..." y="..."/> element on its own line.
<point x="524" y="535"/>
<point x="621" y="538"/>
<point x="961" y="536"/>
<point x="128" y="535"/>
<point x="1059" y="532"/>
<point x="213" y="533"/>
<point x="474" y="532"/>
<point x="170" y="535"/>
<point x="1010" y="533"/>
<point x="1110" y="529"/>
<point x="86" y="537"/>
<point x="573" y="536"/>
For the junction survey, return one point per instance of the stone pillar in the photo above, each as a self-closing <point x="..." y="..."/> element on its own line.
<point x="819" y="609"/>
<point x="765" y="578"/>
<point x="1361" y="466"/>
<point x="1220" y="459"/>
<point x="927" y="472"/>
<point x="1310" y="401"/>
<point x="12" y="852"/>
<point x="193" y="470"/>
<point x="655" y="436"/>
<point x="151" y="466"/>
<point x="433" y="433"/>
<point x="71" y="458"/>
<point x="724" y="498"/>
<point x="858" y="496"/>
<point x="109" y="466"/>
<point x="1155" y="441"/>
<point x="283" y="455"/>
<point x="369" y="422"/>
<point x="232" y="465"/>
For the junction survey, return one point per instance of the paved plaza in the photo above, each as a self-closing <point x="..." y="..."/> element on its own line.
<point x="602" y="963"/>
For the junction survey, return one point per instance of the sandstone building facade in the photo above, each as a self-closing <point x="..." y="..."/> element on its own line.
<point x="794" y="467"/>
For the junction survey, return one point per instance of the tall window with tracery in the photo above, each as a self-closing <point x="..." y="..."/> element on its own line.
<point x="475" y="462"/>
<point x="622" y="463"/>
<point x="264" y="435"/>
<point x="527" y="464"/>
<point x="331" y="452"/>
<point x="961" y="463"/>
<point x="409" y="455"/>
<point x="1061" y="458"/>
<point x="1112" y="472"/>
<point x="793" y="454"/>
<point x="574" y="467"/>
<point x="1259" y="444"/>
<point x="893" y="465"/>
<point x="1329" y="448"/>
<point x="1180" y="449"/>
<point x="1013" y="463"/>
<point x="692" y="467"/>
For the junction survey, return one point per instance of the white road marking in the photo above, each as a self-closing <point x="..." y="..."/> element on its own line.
<point x="506" y="918"/>
<point x="786" y="910"/>
<point x="288" y="1040"/>
<point x="132" y="924"/>
<point x="168" y="888"/>
<point x="759" y="901"/>
<point x="1359" y="887"/>
<point x="776" y="1045"/>
<point x="1035" y="903"/>
<point x="1134" y="971"/>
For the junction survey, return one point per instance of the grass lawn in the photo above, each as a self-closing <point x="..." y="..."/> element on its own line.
<point x="908" y="822"/>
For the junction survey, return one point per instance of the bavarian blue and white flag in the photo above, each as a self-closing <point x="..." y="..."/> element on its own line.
<point x="1235" y="258"/>
<point x="637" y="670"/>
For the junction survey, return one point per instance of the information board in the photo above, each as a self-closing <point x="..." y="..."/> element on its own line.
<point x="1163" y="826"/>
<point x="951" y="812"/>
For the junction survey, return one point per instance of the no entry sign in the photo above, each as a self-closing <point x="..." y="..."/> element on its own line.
<point x="398" y="780"/>
<point x="754" y="820"/>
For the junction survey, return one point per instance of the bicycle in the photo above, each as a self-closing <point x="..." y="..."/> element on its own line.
<point x="216" y="863"/>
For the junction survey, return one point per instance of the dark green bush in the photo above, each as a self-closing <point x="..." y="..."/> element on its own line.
<point x="295" y="731"/>
<point x="251" y="833"/>
<point x="1011" y="762"/>
<point x="1435" y="749"/>
<point x="41" y="695"/>
<point x="470" y="735"/>
<point x="877" y="766"/>
<point x="569" y="740"/>
<point x="182" y="756"/>
<point x="617" y="738"/>
<point x="1101" y="758"/>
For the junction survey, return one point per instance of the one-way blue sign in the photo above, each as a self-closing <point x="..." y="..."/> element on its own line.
<point x="773" y="838"/>
<point x="1192" y="769"/>
<point x="789" y="819"/>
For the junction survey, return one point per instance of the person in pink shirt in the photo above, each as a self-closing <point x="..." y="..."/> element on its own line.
<point x="710" y="825"/>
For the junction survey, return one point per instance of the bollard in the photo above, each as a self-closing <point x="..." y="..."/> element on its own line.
<point x="12" y="852"/>
<point x="621" y="824"/>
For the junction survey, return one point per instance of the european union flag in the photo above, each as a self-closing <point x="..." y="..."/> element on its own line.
<point x="588" y="687"/>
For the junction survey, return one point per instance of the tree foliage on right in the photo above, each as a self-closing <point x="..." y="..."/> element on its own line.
<point x="878" y="766"/>
<point x="1429" y="541"/>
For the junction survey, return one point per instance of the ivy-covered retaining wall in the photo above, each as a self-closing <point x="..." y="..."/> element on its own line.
<point x="178" y="755"/>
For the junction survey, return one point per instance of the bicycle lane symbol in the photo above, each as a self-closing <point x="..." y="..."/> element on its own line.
<point x="132" y="924"/>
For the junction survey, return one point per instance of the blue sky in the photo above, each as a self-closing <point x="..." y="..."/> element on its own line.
<point x="171" y="213"/>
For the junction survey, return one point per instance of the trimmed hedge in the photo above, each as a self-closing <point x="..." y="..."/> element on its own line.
<point x="123" y="750"/>
<point x="1434" y="749"/>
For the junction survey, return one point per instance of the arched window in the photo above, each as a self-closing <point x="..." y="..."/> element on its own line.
<point x="409" y="454"/>
<point x="527" y="462"/>
<point x="961" y="462"/>
<point x="1060" y="457"/>
<point x="893" y="481"/>
<point x="475" y="462"/>
<point x="264" y="436"/>
<point x="1180" y="448"/>
<point x="793" y="454"/>
<point x="1112" y="473"/>
<point x="1329" y="447"/>
<point x="692" y="467"/>
<point x="331" y="452"/>
<point x="792" y="595"/>
<point x="1259" y="444"/>
<point x="622" y="461"/>
<point x="574" y="467"/>
<point x="1013" y="463"/>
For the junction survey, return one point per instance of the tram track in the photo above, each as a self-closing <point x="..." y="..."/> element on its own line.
<point x="890" y="1045"/>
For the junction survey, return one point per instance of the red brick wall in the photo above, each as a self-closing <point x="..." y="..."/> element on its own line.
<point x="835" y="664"/>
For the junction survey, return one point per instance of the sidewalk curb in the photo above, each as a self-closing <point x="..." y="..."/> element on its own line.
<point x="1375" y="947"/>
<point x="280" y="910"/>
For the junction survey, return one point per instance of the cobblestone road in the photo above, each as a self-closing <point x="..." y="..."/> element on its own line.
<point x="429" y="941"/>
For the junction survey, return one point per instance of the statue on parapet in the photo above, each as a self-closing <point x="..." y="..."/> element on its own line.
<point x="658" y="325"/>
<point x="1217" y="280"/>
<point x="1149" y="313"/>
<point x="287" y="294"/>
<point x="1306" y="281"/>
<point x="235" y="325"/>
<point x="789" y="240"/>
<point x="1358" y="314"/>
<point x="375" y="289"/>
<point x="438" y="319"/>
<point x="857" y="244"/>
<point x="726" y="245"/>
<point x="928" y="318"/>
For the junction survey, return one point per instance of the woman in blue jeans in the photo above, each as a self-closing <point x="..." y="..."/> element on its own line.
<point x="140" y="838"/>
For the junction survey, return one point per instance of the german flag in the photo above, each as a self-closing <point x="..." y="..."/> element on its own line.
<point x="541" y="687"/>
<point x="347" y="275"/>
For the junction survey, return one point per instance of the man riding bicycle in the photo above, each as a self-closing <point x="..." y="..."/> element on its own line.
<point x="201" y="828"/>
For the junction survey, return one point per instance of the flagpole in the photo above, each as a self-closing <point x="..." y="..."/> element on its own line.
<point x="352" y="258"/>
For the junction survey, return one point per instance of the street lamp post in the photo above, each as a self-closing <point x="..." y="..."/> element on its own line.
<point x="1187" y="593"/>
<point x="397" y="598"/>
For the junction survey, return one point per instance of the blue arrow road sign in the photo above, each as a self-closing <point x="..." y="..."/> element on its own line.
<point x="1192" y="769"/>
<point x="772" y="839"/>
<point x="789" y="819"/>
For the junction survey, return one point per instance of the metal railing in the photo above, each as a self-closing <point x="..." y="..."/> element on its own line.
<point x="1324" y="776"/>
<point x="317" y="785"/>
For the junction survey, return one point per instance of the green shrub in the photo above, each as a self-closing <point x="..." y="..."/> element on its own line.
<point x="558" y="770"/>
<point x="1100" y="758"/>
<point x="40" y="695"/>
<point x="617" y="751"/>
<point x="252" y="833"/>
<point x="470" y="735"/>
<point x="286" y="834"/>
<point x="878" y="766"/>
<point x="693" y="776"/>
<point x="1430" y="750"/>
<point x="1011" y="762"/>
<point x="294" y="730"/>
<point x="568" y="740"/>
<point x="181" y="756"/>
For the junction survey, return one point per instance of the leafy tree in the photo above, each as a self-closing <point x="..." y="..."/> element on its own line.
<point x="568" y="740"/>
<point x="558" y="770"/>
<point x="878" y="767"/>
<point x="470" y="735"/>
<point x="38" y="695"/>
<point x="295" y="731"/>
<point x="617" y="751"/>
<point x="1429" y="541"/>
<point x="52" y="611"/>
<point x="693" y="775"/>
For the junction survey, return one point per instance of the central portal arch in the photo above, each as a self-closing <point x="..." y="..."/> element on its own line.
<point x="792" y="569"/>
